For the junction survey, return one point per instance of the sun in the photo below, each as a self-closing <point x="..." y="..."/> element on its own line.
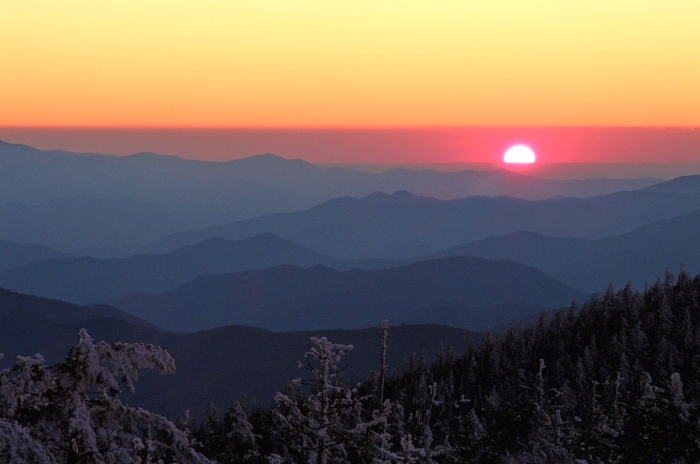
<point x="519" y="154"/>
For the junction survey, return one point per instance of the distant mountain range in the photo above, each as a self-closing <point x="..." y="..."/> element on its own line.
<point x="86" y="279"/>
<point x="284" y="245"/>
<point x="683" y="184"/>
<point x="253" y="186"/>
<point x="95" y="226"/>
<point x="404" y="225"/>
<point x="17" y="254"/>
<point x="109" y="206"/>
<point x="292" y="298"/>
<point x="30" y="321"/>
<point x="639" y="257"/>
<point x="224" y="365"/>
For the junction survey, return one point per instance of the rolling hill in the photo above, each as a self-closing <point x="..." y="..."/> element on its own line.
<point x="86" y="279"/>
<point x="403" y="225"/>
<point x="96" y="226"/>
<point x="17" y="254"/>
<point x="639" y="257"/>
<point x="223" y="365"/>
<point x="291" y="298"/>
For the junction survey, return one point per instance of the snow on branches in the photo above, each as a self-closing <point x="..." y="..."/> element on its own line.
<point x="331" y="422"/>
<point x="317" y="424"/>
<point x="71" y="412"/>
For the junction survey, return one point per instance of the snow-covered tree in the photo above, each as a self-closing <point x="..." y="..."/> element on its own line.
<point x="229" y="438"/>
<point x="318" y="425"/>
<point x="71" y="412"/>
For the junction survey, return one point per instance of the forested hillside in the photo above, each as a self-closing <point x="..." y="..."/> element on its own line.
<point x="613" y="380"/>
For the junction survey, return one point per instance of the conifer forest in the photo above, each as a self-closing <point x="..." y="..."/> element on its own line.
<point x="611" y="380"/>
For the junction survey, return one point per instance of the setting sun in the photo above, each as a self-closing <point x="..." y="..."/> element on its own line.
<point x="519" y="154"/>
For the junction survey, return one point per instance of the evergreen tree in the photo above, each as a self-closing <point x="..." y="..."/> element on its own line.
<point x="71" y="412"/>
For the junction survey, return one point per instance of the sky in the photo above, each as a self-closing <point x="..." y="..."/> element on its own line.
<point x="371" y="65"/>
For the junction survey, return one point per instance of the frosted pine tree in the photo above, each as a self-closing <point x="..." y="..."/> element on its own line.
<point x="71" y="412"/>
<point x="410" y="439"/>
<point x="328" y="424"/>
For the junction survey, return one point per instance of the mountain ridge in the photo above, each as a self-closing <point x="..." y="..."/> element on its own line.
<point x="224" y="365"/>
<point x="639" y="256"/>
<point x="291" y="298"/>
<point x="86" y="279"/>
<point x="15" y="254"/>
<point x="403" y="225"/>
<point x="80" y="225"/>
<point x="252" y="186"/>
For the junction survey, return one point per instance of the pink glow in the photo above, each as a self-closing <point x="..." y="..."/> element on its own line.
<point x="378" y="146"/>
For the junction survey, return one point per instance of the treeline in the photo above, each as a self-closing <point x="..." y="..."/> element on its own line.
<point x="613" y="380"/>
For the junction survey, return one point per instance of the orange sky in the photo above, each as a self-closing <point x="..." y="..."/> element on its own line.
<point x="357" y="63"/>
